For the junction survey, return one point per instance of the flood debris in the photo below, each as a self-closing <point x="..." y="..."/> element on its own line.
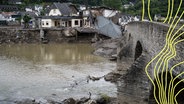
<point x="93" y="78"/>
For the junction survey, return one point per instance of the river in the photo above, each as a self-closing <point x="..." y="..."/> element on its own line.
<point x="51" y="71"/>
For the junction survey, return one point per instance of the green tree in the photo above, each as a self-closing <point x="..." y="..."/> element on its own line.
<point x="116" y="4"/>
<point x="26" y="2"/>
<point x="3" y="1"/>
<point x="26" y="20"/>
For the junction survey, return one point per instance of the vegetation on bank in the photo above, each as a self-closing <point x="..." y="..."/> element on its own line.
<point x="156" y="7"/>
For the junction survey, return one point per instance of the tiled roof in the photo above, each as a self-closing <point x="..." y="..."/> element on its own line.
<point x="64" y="8"/>
<point x="8" y="8"/>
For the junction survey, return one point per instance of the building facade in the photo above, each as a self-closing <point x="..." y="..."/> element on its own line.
<point x="62" y="15"/>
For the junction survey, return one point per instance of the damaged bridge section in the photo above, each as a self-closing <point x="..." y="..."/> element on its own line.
<point x="141" y="42"/>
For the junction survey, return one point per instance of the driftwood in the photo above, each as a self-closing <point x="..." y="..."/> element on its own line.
<point x="70" y="32"/>
<point x="93" y="78"/>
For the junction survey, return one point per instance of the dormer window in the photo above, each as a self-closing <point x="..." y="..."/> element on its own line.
<point x="54" y="11"/>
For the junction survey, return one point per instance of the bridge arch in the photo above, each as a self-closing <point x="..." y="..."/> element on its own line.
<point x="138" y="50"/>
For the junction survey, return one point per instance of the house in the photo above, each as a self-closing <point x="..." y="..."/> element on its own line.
<point x="125" y="19"/>
<point x="8" y="16"/>
<point x="159" y="18"/>
<point x="2" y="17"/>
<point x="38" y="8"/>
<point x="15" y="1"/>
<point x="62" y="15"/>
<point x="126" y="6"/>
<point x="104" y="11"/>
<point x="108" y="12"/>
<point x="86" y="17"/>
<point x="82" y="7"/>
<point x="3" y="21"/>
<point x="61" y="21"/>
<point x="89" y="15"/>
<point x="8" y="8"/>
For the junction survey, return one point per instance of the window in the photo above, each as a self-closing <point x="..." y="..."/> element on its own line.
<point x="42" y="22"/>
<point x="70" y="23"/>
<point x="54" y="10"/>
<point x="47" y="23"/>
<point x="76" y="22"/>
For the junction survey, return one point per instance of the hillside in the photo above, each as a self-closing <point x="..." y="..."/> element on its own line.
<point x="156" y="7"/>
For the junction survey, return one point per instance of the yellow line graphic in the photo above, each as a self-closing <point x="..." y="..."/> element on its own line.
<point x="168" y="11"/>
<point x="171" y="11"/>
<point x="143" y="9"/>
<point x="149" y="14"/>
<point x="166" y="90"/>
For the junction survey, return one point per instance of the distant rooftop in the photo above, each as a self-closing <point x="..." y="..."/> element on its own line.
<point x="14" y="0"/>
<point x="8" y="8"/>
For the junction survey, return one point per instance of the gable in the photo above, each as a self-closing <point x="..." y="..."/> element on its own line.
<point x="55" y="12"/>
<point x="64" y="9"/>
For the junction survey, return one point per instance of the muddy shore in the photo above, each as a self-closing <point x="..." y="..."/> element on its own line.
<point x="32" y="36"/>
<point x="9" y="35"/>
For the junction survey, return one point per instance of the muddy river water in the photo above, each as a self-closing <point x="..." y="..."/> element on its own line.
<point x="51" y="71"/>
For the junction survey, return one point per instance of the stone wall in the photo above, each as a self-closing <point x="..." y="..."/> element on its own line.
<point x="19" y="35"/>
<point x="141" y="42"/>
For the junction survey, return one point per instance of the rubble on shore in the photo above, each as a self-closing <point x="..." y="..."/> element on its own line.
<point x="107" y="48"/>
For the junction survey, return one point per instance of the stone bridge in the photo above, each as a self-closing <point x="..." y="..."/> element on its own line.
<point x="142" y="42"/>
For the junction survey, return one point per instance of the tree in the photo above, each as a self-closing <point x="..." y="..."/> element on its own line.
<point x="26" y="20"/>
<point x="3" y="1"/>
<point x="116" y="4"/>
<point x="26" y="2"/>
<point x="156" y="7"/>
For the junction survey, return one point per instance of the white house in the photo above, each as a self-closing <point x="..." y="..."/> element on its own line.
<point x="64" y="15"/>
<point x="38" y="8"/>
<point x="109" y="13"/>
<point x="8" y="16"/>
<point x="104" y="11"/>
<point x="86" y="22"/>
<point x="82" y="7"/>
<point x="29" y="9"/>
<point x="125" y="19"/>
<point x="126" y="6"/>
<point x="15" y="1"/>
<point x="2" y="17"/>
<point x="61" y="21"/>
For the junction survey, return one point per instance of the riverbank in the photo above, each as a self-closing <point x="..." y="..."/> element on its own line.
<point x="102" y="99"/>
<point x="32" y="36"/>
<point x="13" y="35"/>
<point x="52" y="71"/>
